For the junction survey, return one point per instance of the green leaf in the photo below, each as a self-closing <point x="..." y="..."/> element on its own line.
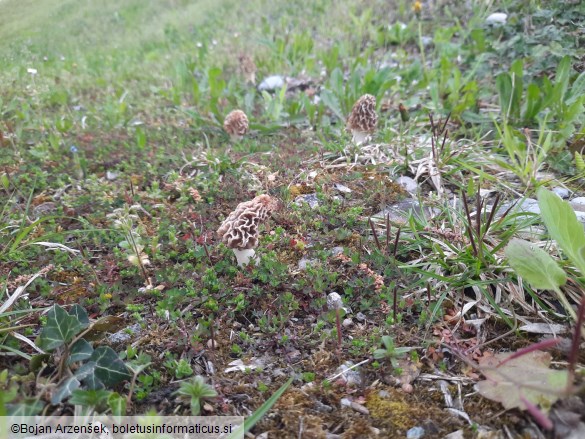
<point x="577" y="89"/>
<point x="65" y="390"/>
<point x="61" y="327"/>
<point x="262" y="410"/>
<point x="80" y="351"/>
<point x="79" y="312"/>
<point x="526" y="376"/>
<point x="535" y="265"/>
<point x="89" y="398"/>
<point x="331" y="102"/>
<point x="30" y="407"/>
<point x="563" y="226"/>
<point x="117" y="404"/>
<point x="108" y="366"/>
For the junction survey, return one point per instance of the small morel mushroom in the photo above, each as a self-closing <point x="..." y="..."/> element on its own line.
<point x="248" y="68"/>
<point x="363" y="119"/>
<point x="236" y="125"/>
<point x="240" y="229"/>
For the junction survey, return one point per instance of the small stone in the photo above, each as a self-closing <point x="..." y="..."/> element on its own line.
<point x="124" y="335"/>
<point x="111" y="175"/>
<point x="498" y="18"/>
<point x="335" y="251"/>
<point x="415" y="433"/>
<point x="347" y="323"/>
<point x="212" y="344"/>
<point x="529" y="205"/>
<point x="345" y="402"/>
<point x="562" y="192"/>
<point x="426" y="41"/>
<point x="349" y="377"/>
<point x="323" y="408"/>
<point x="409" y="184"/>
<point x="271" y="83"/>
<point x="361" y="317"/>
<point x="455" y="435"/>
<point x="401" y="211"/>
<point x="342" y="188"/>
<point x="304" y="263"/>
<point x="407" y="388"/>
<point x="310" y="199"/>
<point x="44" y="208"/>
<point x="578" y="204"/>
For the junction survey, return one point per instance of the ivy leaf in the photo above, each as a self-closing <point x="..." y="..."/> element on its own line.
<point x="526" y="377"/>
<point x="535" y="265"/>
<point x="65" y="390"/>
<point x="79" y="312"/>
<point x="80" y="351"/>
<point x="108" y="366"/>
<point x="61" y="327"/>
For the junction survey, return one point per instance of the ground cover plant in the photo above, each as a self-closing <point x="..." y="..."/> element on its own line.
<point x="416" y="268"/>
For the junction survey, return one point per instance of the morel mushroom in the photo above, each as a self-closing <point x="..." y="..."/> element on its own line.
<point x="236" y="125"/>
<point x="248" y="68"/>
<point x="363" y="119"/>
<point x="240" y="229"/>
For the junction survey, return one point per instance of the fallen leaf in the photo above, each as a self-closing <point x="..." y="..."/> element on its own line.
<point x="526" y="377"/>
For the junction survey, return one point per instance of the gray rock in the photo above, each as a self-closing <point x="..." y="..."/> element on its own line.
<point x="415" y="433"/>
<point x="562" y="192"/>
<point x="310" y="199"/>
<point x="335" y="251"/>
<point x="305" y="262"/>
<point x="44" y="208"/>
<point x="497" y="18"/>
<point x="360" y="316"/>
<point x="342" y="188"/>
<point x="124" y="335"/>
<point x="578" y="204"/>
<point x="401" y="211"/>
<point x="529" y="205"/>
<point x="347" y="323"/>
<point x="426" y="41"/>
<point x="351" y="377"/>
<point x="407" y="183"/>
<point x="271" y="83"/>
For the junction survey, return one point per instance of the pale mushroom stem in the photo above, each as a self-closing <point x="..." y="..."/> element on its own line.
<point x="360" y="137"/>
<point x="235" y="138"/>
<point x="245" y="256"/>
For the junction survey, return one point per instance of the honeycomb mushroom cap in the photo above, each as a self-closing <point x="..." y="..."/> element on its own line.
<point x="240" y="229"/>
<point x="236" y="123"/>
<point x="363" y="117"/>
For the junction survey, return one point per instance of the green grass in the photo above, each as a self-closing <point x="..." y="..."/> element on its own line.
<point x="122" y="121"/>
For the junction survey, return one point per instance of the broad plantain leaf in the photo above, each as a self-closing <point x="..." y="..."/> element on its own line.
<point x="535" y="265"/>
<point x="563" y="226"/>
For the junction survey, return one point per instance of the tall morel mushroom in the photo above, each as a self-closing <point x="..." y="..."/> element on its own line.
<point x="236" y="125"/>
<point x="248" y="68"/>
<point x="240" y="230"/>
<point x="363" y="119"/>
